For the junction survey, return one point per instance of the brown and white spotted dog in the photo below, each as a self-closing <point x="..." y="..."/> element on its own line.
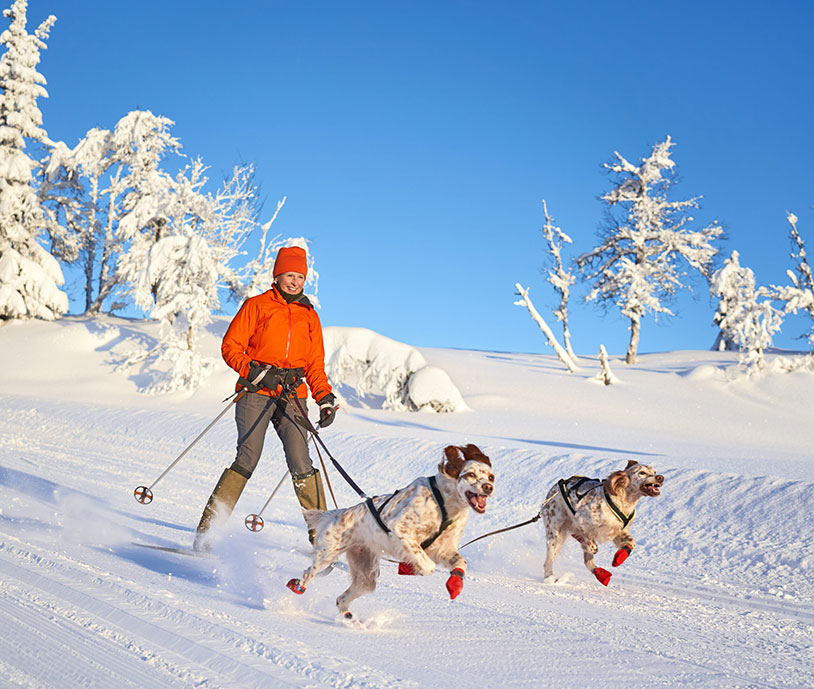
<point x="425" y="527"/>
<point x="594" y="511"/>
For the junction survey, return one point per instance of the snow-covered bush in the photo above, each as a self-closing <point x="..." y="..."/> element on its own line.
<point x="363" y="363"/>
<point x="745" y="314"/>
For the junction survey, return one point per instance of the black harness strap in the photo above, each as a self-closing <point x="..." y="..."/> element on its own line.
<point x="581" y="480"/>
<point x="446" y="522"/>
<point x="621" y="516"/>
<point x="565" y="489"/>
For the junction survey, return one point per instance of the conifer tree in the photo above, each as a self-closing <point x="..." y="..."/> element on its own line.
<point x="29" y="275"/>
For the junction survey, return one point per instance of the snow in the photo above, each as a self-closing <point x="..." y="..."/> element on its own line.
<point x="373" y="369"/>
<point x="717" y="594"/>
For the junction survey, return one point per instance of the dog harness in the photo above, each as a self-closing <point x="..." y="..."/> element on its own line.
<point x="569" y="489"/>
<point x="446" y="522"/>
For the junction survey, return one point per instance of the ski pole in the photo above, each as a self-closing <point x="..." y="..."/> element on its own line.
<point x="254" y="522"/>
<point x="144" y="494"/>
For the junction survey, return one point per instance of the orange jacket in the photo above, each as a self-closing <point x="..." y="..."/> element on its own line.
<point x="271" y="331"/>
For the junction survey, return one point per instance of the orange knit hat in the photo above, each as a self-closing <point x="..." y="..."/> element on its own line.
<point x="291" y="259"/>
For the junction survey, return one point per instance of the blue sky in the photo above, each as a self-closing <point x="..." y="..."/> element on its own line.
<point x="416" y="140"/>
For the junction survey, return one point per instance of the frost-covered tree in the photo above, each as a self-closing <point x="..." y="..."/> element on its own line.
<point x="120" y="171"/>
<point x="179" y="272"/>
<point x="29" y="275"/>
<point x="745" y="313"/>
<point x="799" y="296"/>
<point x="560" y="277"/>
<point x="172" y="268"/>
<point x="645" y="251"/>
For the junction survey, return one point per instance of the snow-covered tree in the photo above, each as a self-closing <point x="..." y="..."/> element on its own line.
<point x="799" y="296"/>
<point x="560" y="277"/>
<point x="120" y="172"/>
<point x="745" y="313"/>
<point x="29" y="276"/>
<point x="643" y="258"/>
<point x="180" y="270"/>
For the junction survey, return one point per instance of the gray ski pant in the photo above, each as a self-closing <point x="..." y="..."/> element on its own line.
<point x="253" y="412"/>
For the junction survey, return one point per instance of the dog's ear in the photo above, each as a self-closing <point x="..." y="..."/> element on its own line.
<point x="472" y="453"/>
<point x="617" y="482"/>
<point x="630" y="463"/>
<point x="453" y="461"/>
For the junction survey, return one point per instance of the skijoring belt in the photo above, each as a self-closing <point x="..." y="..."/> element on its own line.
<point x="289" y="378"/>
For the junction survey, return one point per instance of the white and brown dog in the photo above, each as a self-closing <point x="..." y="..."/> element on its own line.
<point x="596" y="511"/>
<point x="424" y="523"/>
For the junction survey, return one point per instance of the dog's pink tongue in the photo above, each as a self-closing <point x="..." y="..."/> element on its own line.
<point x="481" y="500"/>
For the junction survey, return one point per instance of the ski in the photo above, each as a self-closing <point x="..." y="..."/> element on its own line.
<point x="178" y="551"/>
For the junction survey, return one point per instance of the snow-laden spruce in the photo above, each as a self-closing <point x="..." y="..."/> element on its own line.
<point x="368" y="366"/>
<point x="641" y="262"/>
<point x="30" y="277"/>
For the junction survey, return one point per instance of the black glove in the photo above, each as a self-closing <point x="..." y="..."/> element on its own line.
<point x="326" y="410"/>
<point x="270" y="380"/>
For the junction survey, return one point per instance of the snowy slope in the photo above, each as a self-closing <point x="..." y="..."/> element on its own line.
<point x="719" y="592"/>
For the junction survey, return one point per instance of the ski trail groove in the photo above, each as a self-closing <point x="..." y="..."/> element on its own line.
<point x="166" y="638"/>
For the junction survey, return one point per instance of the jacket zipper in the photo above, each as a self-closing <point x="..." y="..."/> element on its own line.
<point x="288" y="341"/>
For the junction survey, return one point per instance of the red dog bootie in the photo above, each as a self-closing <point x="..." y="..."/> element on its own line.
<point x="294" y="585"/>
<point x="603" y="575"/>
<point x="621" y="555"/>
<point x="406" y="568"/>
<point x="455" y="582"/>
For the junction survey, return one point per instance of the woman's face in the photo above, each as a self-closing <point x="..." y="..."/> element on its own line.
<point x="290" y="283"/>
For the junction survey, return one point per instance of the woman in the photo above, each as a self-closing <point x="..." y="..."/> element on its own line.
<point x="273" y="342"/>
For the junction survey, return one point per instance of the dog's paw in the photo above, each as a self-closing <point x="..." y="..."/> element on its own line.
<point x="425" y="571"/>
<point x="295" y="586"/>
<point x="564" y="578"/>
<point x="621" y="555"/>
<point x="603" y="576"/>
<point x="455" y="583"/>
<point x="406" y="569"/>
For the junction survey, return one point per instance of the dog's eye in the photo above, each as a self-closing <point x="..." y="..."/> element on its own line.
<point x="469" y="475"/>
<point x="491" y="478"/>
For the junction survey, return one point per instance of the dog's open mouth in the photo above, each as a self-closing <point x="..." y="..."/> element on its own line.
<point x="651" y="489"/>
<point x="476" y="502"/>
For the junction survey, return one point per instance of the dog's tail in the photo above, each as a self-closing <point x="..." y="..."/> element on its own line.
<point x="316" y="519"/>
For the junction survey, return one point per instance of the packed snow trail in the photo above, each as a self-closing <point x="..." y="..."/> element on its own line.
<point x="718" y="593"/>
